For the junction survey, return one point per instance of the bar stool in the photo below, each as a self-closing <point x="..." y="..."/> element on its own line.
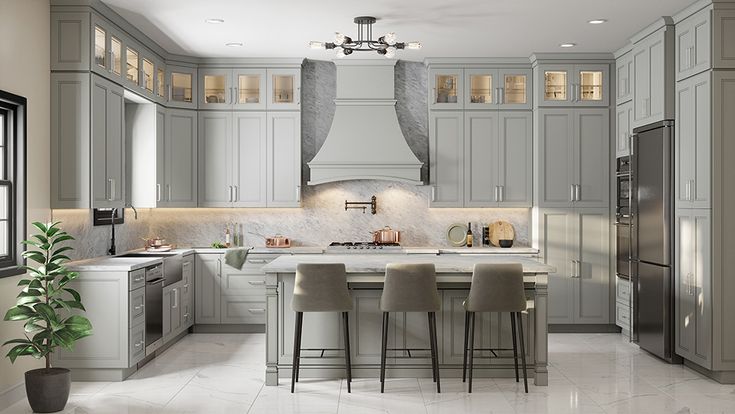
<point x="320" y="287"/>
<point x="495" y="288"/>
<point x="410" y="288"/>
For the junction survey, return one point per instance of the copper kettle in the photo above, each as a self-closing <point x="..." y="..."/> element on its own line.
<point x="386" y="235"/>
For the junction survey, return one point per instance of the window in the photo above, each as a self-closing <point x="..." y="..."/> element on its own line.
<point x="12" y="182"/>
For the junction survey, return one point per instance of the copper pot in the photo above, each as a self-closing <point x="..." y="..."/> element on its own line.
<point x="277" y="241"/>
<point x="386" y="235"/>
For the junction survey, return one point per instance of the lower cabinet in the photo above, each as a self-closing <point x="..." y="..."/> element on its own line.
<point x="693" y="286"/>
<point x="187" y="292"/>
<point x="577" y="243"/>
<point x="622" y="304"/>
<point x="171" y="311"/>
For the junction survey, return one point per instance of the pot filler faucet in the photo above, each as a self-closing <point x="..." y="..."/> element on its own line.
<point x="113" y="250"/>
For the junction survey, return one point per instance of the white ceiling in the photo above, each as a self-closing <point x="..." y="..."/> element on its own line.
<point x="446" y="28"/>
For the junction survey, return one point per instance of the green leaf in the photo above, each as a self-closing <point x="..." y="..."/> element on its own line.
<point x="32" y="327"/>
<point x="60" y="304"/>
<point x="37" y="257"/>
<point x="64" y="338"/>
<point x="74" y="294"/>
<point x="23" y="282"/>
<point x="41" y="238"/>
<point x="19" y="313"/>
<point x="20" y="350"/>
<point x="78" y="324"/>
<point x="60" y="239"/>
<point x="46" y="311"/>
<point x="41" y="227"/>
<point x="27" y="299"/>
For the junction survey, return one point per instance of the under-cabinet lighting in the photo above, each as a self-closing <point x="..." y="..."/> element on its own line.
<point x="234" y="44"/>
<point x="567" y="45"/>
<point x="214" y="21"/>
<point x="597" y="21"/>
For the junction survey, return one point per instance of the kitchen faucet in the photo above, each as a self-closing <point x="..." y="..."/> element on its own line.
<point x="113" y="250"/>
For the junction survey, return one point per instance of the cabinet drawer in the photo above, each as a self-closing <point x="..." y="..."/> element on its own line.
<point x="622" y="316"/>
<point x="137" y="279"/>
<point x="622" y="291"/>
<point x="136" y="347"/>
<point x="243" y="309"/>
<point x="136" y="307"/>
<point x="243" y="284"/>
<point x="258" y="261"/>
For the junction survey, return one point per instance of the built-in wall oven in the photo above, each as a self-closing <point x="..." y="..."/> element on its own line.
<point x="153" y="308"/>
<point x="623" y="219"/>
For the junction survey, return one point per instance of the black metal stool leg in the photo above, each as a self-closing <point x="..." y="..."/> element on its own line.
<point x="472" y="346"/>
<point x="523" y="350"/>
<point x="382" y="352"/>
<point x="296" y="350"/>
<point x="431" y="346"/>
<point x="348" y="362"/>
<point x="515" y="348"/>
<point x="464" y="357"/>
<point x="435" y="347"/>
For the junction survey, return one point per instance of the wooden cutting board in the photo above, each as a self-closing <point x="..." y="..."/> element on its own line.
<point x="501" y="230"/>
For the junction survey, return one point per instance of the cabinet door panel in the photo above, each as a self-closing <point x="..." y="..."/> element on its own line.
<point x="481" y="87"/>
<point x="446" y="88"/>
<point x="284" y="89"/>
<point x="555" y="156"/>
<point x="215" y="159"/>
<point x="107" y="144"/>
<point x="249" y="163"/>
<point x="515" y="159"/>
<point x="623" y="130"/>
<point x="480" y="152"/>
<point x="722" y="45"/>
<point x="365" y="327"/>
<point x="592" y="290"/>
<point x="591" y="85"/>
<point x="624" y="78"/>
<point x="446" y="146"/>
<point x="116" y="146"/>
<point x="70" y="43"/>
<point x="658" y="60"/>
<point x="207" y="288"/>
<point x="591" y="153"/>
<point x="642" y="80"/>
<point x="693" y="142"/>
<point x="250" y="88"/>
<point x="283" y="159"/>
<point x="556" y="244"/>
<point x="181" y="159"/>
<point x="554" y="85"/>
<point x="693" y="36"/>
<point x="515" y="88"/>
<point x="216" y="89"/>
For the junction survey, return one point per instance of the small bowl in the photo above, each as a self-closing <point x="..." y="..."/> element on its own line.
<point x="505" y="242"/>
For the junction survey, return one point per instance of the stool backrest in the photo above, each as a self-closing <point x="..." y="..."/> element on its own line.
<point x="497" y="287"/>
<point x="321" y="287"/>
<point x="410" y="288"/>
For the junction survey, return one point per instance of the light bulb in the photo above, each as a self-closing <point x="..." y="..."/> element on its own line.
<point x="316" y="45"/>
<point x="413" y="45"/>
<point x="390" y="38"/>
<point x="390" y="52"/>
<point x="340" y="52"/>
<point x="339" y="38"/>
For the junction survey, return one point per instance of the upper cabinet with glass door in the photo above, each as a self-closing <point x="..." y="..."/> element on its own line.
<point x="446" y="88"/>
<point x="497" y="88"/>
<point x="181" y="86"/>
<point x="283" y="89"/>
<point x="573" y="85"/>
<point x="107" y="50"/>
<point x="232" y="89"/>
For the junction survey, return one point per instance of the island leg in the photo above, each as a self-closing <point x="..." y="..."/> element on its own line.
<point x="271" y="330"/>
<point x="542" y="332"/>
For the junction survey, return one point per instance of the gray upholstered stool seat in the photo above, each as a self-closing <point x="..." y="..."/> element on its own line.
<point x="410" y="288"/>
<point x="495" y="288"/>
<point x="320" y="287"/>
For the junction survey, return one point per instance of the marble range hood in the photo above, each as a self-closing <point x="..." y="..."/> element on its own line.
<point x="365" y="140"/>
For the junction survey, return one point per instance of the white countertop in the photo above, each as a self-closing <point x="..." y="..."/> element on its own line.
<point x="375" y="263"/>
<point x="112" y="264"/>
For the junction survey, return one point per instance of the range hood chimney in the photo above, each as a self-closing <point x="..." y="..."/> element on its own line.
<point x="365" y="140"/>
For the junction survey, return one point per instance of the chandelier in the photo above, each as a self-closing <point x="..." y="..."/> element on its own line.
<point x="386" y="45"/>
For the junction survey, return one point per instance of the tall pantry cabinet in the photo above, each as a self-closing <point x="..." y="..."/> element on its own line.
<point x="703" y="190"/>
<point x="571" y="182"/>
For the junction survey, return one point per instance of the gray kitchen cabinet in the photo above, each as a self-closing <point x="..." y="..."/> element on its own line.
<point x="108" y="144"/>
<point x="693" y="286"/>
<point x="622" y="304"/>
<point x="187" y="292"/>
<point x="179" y="186"/>
<point x="181" y="86"/>
<point x="446" y="152"/>
<point x="653" y="68"/>
<point x="446" y="88"/>
<point x="171" y="311"/>
<point x="577" y="243"/>
<point x="283" y="91"/>
<point x="491" y="88"/>
<point x="208" y="268"/>
<point x="107" y="49"/>
<point x="366" y="321"/>
<point x="242" y="89"/>
<point x="693" y="142"/>
<point x="233" y="159"/>
<point x="624" y="79"/>
<point x="70" y="140"/>
<point x="69" y="50"/>
<point x="693" y="44"/>
<point x="498" y="159"/>
<point x="283" y="149"/>
<point x="623" y="129"/>
<point x="572" y="150"/>
<point x="577" y="85"/>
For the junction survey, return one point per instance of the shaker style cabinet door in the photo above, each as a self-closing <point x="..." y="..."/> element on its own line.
<point x="249" y="161"/>
<point x="215" y="159"/>
<point x="215" y="89"/>
<point x="516" y="91"/>
<point x="207" y="280"/>
<point x="446" y="88"/>
<point x="180" y="159"/>
<point x="624" y="78"/>
<point x="592" y="274"/>
<point x="693" y="44"/>
<point x="591" y="157"/>
<point x="181" y="87"/>
<point x="481" y="89"/>
<point x="557" y="247"/>
<point x="623" y="129"/>
<point x="515" y="159"/>
<point x="446" y="154"/>
<point x="555" y="85"/>
<point x="480" y="153"/>
<point x="693" y="142"/>
<point x="283" y="159"/>
<point x="653" y="63"/>
<point x="70" y="41"/>
<point x="108" y="148"/>
<point x="555" y="158"/>
<point x="284" y="89"/>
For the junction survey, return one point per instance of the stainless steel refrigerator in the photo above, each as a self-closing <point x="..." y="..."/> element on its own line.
<point x="652" y="239"/>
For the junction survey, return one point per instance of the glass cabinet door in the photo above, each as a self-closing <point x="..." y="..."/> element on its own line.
<point x="148" y="75"/>
<point x="284" y="88"/>
<point x="181" y="84"/>
<point x="160" y="82"/>
<point x="131" y="60"/>
<point x="181" y="87"/>
<point x="447" y="88"/>
<point x="515" y="88"/>
<point x="100" y="47"/>
<point x="116" y="49"/>
<point x="482" y="89"/>
<point x="216" y="88"/>
<point x="592" y="85"/>
<point x="250" y="88"/>
<point x="556" y="85"/>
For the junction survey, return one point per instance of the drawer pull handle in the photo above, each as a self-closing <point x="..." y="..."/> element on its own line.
<point x="257" y="282"/>
<point x="257" y="261"/>
<point x="139" y="279"/>
<point x="186" y="286"/>
<point x="139" y="307"/>
<point x="256" y="310"/>
<point x="139" y="344"/>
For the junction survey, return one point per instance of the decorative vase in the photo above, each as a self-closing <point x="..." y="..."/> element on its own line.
<point x="48" y="389"/>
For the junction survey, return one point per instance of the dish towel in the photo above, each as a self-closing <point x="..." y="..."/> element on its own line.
<point x="236" y="257"/>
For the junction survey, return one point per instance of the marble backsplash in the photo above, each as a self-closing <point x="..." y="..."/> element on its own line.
<point x="322" y="219"/>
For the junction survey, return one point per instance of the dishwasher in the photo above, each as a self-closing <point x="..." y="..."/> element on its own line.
<point x="153" y="308"/>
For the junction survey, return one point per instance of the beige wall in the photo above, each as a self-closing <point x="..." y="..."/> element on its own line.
<point x="24" y="70"/>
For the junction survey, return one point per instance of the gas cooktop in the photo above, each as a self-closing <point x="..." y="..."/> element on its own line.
<point x="364" y="247"/>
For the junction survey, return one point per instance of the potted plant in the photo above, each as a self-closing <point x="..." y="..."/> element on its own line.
<point x="46" y="305"/>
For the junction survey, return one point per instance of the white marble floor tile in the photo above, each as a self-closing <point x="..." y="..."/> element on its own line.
<point x="402" y="396"/>
<point x="312" y="396"/>
<point x="22" y="406"/>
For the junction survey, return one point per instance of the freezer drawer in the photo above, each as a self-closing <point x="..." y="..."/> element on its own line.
<point x="654" y="323"/>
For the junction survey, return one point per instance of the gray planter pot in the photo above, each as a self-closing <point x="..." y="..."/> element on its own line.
<point x="48" y="389"/>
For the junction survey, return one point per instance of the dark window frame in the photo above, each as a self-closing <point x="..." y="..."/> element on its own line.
<point x="14" y="110"/>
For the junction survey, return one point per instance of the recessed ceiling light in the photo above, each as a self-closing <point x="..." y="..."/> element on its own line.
<point x="215" y="21"/>
<point x="234" y="44"/>
<point x="597" y="21"/>
<point x="567" y="45"/>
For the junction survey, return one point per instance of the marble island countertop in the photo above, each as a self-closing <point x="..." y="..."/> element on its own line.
<point x="375" y="263"/>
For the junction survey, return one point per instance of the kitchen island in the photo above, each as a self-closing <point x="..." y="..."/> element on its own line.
<point x="365" y="275"/>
